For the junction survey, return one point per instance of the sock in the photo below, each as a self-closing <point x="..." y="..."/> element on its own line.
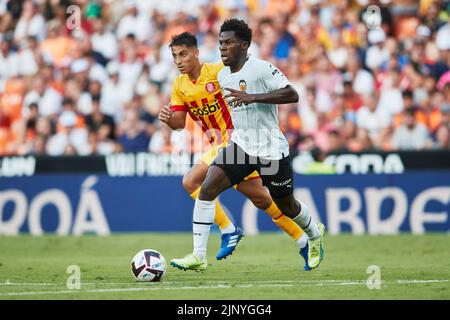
<point x="283" y="222"/>
<point x="302" y="241"/>
<point x="203" y="219"/>
<point x="305" y="221"/>
<point x="220" y="218"/>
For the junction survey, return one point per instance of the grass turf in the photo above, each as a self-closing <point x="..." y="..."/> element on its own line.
<point x="266" y="266"/>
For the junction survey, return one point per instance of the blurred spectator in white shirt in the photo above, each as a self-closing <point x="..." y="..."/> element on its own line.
<point x="370" y="117"/>
<point x="113" y="97"/>
<point x="104" y="41"/>
<point x="411" y="135"/>
<point x="391" y="100"/>
<point x="28" y="65"/>
<point x="133" y="22"/>
<point x="363" y="81"/>
<point x="31" y="23"/>
<point x="69" y="138"/>
<point x="378" y="53"/>
<point x="9" y="63"/>
<point x="48" y="99"/>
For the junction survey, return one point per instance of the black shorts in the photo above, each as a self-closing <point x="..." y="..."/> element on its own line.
<point x="276" y="175"/>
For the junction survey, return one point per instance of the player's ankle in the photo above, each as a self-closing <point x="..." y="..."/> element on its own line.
<point x="228" y="229"/>
<point x="200" y="254"/>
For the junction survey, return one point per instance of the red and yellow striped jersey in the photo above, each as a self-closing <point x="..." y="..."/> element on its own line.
<point x="204" y="102"/>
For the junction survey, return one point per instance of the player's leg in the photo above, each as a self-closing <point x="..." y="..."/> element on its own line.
<point x="254" y="190"/>
<point x="192" y="182"/>
<point x="220" y="176"/>
<point x="204" y="211"/>
<point x="280" y="183"/>
<point x="232" y="167"/>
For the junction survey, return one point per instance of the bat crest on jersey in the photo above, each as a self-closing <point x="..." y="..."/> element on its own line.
<point x="242" y="85"/>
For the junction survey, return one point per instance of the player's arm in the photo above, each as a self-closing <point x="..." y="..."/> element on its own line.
<point x="277" y="88"/>
<point x="176" y="120"/>
<point x="174" y="113"/>
<point x="284" y="95"/>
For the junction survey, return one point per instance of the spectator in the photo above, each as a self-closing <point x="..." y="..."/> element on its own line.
<point x="96" y="120"/>
<point x="57" y="48"/>
<point x="31" y="23"/>
<point x="104" y="143"/>
<point x="371" y="118"/>
<point x="69" y="140"/>
<point x="48" y="99"/>
<point x="378" y="53"/>
<point x="133" y="137"/>
<point x="442" y="138"/>
<point x="411" y="135"/>
<point x="112" y="96"/>
<point x="133" y="22"/>
<point x="360" y="142"/>
<point x="118" y="60"/>
<point x="103" y="41"/>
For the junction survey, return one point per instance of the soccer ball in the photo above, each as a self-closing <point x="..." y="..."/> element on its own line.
<point x="148" y="265"/>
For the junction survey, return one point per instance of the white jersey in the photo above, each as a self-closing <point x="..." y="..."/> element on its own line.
<point x="256" y="128"/>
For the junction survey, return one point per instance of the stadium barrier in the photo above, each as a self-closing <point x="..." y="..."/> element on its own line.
<point x="143" y="192"/>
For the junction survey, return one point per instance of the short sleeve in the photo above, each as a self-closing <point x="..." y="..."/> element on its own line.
<point x="176" y="99"/>
<point x="215" y="68"/>
<point x="272" y="77"/>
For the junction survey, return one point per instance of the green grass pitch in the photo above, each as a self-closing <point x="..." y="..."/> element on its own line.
<point x="266" y="266"/>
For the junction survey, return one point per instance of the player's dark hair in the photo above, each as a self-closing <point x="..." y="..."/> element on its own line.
<point x="184" y="39"/>
<point x="240" y="28"/>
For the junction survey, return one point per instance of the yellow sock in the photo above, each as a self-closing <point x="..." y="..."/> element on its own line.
<point x="283" y="222"/>
<point x="221" y="218"/>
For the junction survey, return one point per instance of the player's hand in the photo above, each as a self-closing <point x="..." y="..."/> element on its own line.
<point x="239" y="96"/>
<point x="165" y="113"/>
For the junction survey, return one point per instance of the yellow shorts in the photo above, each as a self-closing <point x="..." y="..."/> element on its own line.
<point x="209" y="156"/>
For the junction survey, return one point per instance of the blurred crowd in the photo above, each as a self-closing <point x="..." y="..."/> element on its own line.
<point x="89" y="77"/>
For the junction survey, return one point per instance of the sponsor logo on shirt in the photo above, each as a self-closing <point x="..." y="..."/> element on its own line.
<point x="205" y="110"/>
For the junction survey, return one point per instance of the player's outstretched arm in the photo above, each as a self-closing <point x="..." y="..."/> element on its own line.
<point x="284" y="95"/>
<point x="176" y="120"/>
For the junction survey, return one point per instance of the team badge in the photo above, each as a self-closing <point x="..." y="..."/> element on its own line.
<point x="242" y="85"/>
<point x="210" y="87"/>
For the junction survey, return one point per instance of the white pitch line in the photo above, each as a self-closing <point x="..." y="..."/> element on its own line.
<point x="320" y="282"/>
<point x="226" y="286"/>
<point x="134" y="289"/>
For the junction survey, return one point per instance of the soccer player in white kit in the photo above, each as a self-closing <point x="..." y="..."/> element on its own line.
<point x="255" y="88"/>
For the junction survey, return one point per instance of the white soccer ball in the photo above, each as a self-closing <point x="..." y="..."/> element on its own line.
<point x="148" y="265"/>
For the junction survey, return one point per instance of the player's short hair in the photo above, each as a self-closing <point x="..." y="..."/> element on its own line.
<point x="184" y="39"/>
<point x="240" y="28"/>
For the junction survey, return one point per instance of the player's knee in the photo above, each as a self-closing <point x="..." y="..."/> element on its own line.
<point x="189" y="184"/>
<point x="261" y="202"/>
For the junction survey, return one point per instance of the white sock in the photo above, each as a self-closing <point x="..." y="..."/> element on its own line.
<point x="228" y="229"/>
<point x="302" y="241"/>
<point x="203" y="219"/>
<point x="305" y="221"/>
